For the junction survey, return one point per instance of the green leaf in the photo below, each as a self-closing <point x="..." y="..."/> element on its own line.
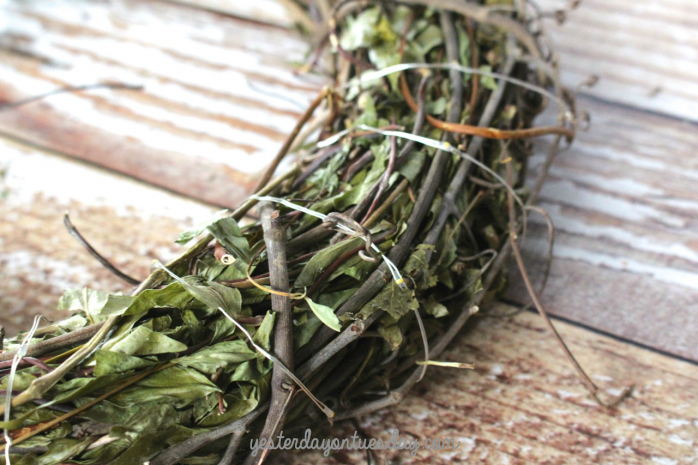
<point x="262" y="336"/>
<point x="228" y="234"/>
<point x="175" y="385"/>
<point x="222" y="355"/>
<point x="73" y="323"/>
<point x="190" y="234"/>
<point x="325" y="314"/>
<point x="98" y="304"/>
<point x="392" y="334"/>
<point x="392" y="299"/>
<point x="172" y="296"/>
<point x="368" y="28"/>
<point x="143" y="341"/>
<point x="304" y="332"/>
<point x="237" y="404"/>
<point x="109" y="362"/>
<point x="215" y="295"/>
<point x="147" y="445"/>
<point x="415" y="162"/>
<point x="59" y="450"/>
<point x="487" y="82"/>
<point x="418" y="268"/>
<point x="428" y="39"/>
<point x="322" y="260"/>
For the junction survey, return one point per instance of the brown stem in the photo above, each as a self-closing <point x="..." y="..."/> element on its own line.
<point x="513" y="236"/>
<point x="275" y="240"/>
<point x="57" y="343"/>
<point x="106" y="263"/>
<point x="289" y="140"/>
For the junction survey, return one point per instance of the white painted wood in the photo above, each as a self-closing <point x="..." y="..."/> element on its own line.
<point x="624" y="204"/>
<point x="217" y="89"/>
<point x="129" y="222"/>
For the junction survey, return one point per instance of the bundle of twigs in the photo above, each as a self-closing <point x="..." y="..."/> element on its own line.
<point x="367" y="257"/>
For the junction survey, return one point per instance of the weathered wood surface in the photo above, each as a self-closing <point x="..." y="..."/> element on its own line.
<point x="624" y="204"/>
<point x="521" y="404"/>
<point x="623" y="199"/>
<point x="646" y="53"/>
<point x="129" y="222"/>
<point x="219" y="98"/>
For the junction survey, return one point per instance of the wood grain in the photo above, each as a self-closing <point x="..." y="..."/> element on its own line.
<point x="624" y="205"/>
<point x="646" y="53"/>
<point x="128" y="222"/>
<point x="522" y="404"/>
<point x="219" y="96"/>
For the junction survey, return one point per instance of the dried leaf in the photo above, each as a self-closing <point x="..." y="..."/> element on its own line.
<point x="325" y="314"/>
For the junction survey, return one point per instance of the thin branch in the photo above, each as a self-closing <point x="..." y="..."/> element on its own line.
<point x="69" y="89"/>
<point x="174" y="454"/>
<point x="57" y="343"/>
<point x="83" y="242"/>
<point x="275" y="239"/>
<point x="289" y="140"/>
<point x="586" y="380"/>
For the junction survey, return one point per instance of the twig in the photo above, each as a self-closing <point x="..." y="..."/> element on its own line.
<point x="274" y="237"/>
<point x="83" y="242"/>
<point x="383" y="183"/>
<point x="588" y="383"/>
<point x="289" y="140"/>
<point x="57" y="343"/>
<point x="174" y="454"/>
<point x="113" y="85"/>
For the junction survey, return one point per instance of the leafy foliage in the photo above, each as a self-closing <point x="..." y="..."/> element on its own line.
<point x="175" y="366"/>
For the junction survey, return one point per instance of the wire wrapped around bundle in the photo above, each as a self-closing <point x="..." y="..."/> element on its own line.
<point x="365" y="259"/>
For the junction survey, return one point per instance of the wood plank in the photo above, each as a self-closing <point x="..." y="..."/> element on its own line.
<point x="646" y="53"/>
<point x="522" y="404"/>
<point x="624" y="205"/>
<point x="264" y="11"/>
<point x="129" y="222"/>
<point x="220" y="94"/>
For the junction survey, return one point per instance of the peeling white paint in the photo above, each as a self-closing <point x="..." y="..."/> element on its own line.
<point x="668" y="275"/>
<point x="676" y="439"/>
<point x="41" y="269"/>
<point x="650" y="243"/>
<point x="664" y="461"/>
<point x="29" y="173"/>
<point x="569" y="193"/>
